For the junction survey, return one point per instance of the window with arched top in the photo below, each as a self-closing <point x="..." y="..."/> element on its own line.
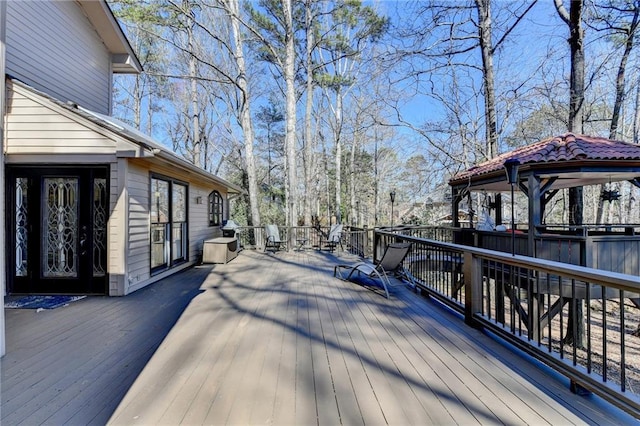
<point x="215" y="208"/>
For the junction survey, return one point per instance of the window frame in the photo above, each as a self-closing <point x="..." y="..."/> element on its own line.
<point x="215" y="204"/>
<point x="169" y="223"/>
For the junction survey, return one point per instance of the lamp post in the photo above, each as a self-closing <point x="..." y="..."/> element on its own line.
<point x="392" y="195"/>
<point x="511" y="168"/>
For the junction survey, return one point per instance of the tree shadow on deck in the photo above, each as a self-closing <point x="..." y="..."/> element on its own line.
<point x="299" y="291"/>
<point x="422" y="317"/>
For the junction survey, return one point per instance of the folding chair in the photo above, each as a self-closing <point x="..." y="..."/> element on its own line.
<point x="335" y="237"/>
<point x="273" y="237"/>
<point x="391" y="262"/>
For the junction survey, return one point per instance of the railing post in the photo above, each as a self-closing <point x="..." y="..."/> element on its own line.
<point x="366" y="242"/>
<point x="472" y="268"/>
<point x="374" y="248"/>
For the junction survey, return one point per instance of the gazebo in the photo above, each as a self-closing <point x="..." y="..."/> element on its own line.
<point x="546" y="167"/>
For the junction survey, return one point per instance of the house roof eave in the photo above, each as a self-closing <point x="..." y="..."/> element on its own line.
<point x="123" y="57"/>
<point x="155" y="149"/>
<point x="130" y="142"/>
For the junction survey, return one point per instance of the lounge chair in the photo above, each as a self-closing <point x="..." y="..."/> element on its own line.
<point x="390" y="263"/>
<point x="273" y="237"/>
<point x="335" y="237"/>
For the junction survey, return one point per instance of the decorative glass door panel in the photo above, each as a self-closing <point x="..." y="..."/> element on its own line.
<point x="57" y="237"/>
<point x="100" y="212"/>
<point x="60" y="228"/>
<point x="21" y="226"/>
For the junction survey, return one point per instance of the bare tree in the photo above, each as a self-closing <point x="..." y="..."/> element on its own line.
<point x="573" y="19"/>
<point x="309" y="145"/>
<point x="273" y="29"/>
<point x="237" y="44"/>
<point x="142" y="91"/>
<point x="444" y="36"/>
<point x="619" y="20"/>
<point x="350" y="30"/>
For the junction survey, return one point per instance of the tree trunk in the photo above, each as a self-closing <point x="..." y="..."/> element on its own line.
<point x="309" y="168"/>
<point x="631" y="204"/>
<point x="486" y="47"/>
<point x="352" y="181"/>
<point x="573" y="19"/>
<point x="149" y="114"/>
<point x="290" y="133"/>
<point x="376" y="183"/>
<point x="620" y="94"/>
<point x="338" y="139"/>
<point x="576" y="89"/>
<point x="137" y="103"/>
<point x="245" y="114"/>
<point x="636" y="116"/>
<point x="620" y="79"/>
<point x="193" y="93"/>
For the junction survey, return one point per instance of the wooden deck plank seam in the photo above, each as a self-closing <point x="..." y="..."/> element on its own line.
<point x="374" y="299"/>
<point x="275" y="339"/>
<point x="352" y="355"/>
<point x="509" y="382"/>
<point x="244" y="351"/>
<point x="341" y="395"/>
<point x="348" y="354"/>
<point x="392" y="408"/>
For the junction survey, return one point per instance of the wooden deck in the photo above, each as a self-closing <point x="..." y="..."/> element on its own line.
<point x="272" y="339"/>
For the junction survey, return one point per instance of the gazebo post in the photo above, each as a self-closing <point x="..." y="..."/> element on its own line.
<point x="535" y="211"/>
<point x="455" y="205"/>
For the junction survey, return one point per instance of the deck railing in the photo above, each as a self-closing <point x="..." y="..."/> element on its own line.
<point x="355" y="240"/>
<point x="578" y="320"/>
<point x="582" y="322"/>
<point x="358" y="241"/>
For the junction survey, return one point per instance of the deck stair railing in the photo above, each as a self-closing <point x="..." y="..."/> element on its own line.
<point x="578" y="320"/>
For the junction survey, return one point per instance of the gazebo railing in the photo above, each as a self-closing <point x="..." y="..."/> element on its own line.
<point x="591" y="229"/>
<point x="616" y="249"/>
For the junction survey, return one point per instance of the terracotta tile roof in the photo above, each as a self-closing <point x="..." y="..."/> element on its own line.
<point x="568" y="147"/>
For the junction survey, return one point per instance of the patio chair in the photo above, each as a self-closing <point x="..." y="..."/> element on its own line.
<point x="335" y="237"/>
<point x="390" y="263"/>
<point x="273" y="237"/>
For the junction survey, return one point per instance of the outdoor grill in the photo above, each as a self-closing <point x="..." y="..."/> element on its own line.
<point x="230" y="228"/>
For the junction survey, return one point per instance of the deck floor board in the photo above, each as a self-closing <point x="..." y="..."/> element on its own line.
<point x="273" y="339"/>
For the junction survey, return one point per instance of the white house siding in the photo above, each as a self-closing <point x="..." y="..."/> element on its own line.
<point x="3" y="10"/>
<point x="35" y="127"/>
<point x="52" y="46"/>
<point x="118" y="233"/>
<point x="42" y="131"/>
<point x="139" y="250"/>
<point x="138" y="224"/>
<point x="199" y="229"/>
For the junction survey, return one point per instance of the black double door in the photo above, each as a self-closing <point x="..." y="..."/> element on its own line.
<point x="57" y="229"/>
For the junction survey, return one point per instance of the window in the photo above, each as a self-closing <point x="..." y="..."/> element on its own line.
<point x="215" y="209"/>
<point x="168" y="223"/>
